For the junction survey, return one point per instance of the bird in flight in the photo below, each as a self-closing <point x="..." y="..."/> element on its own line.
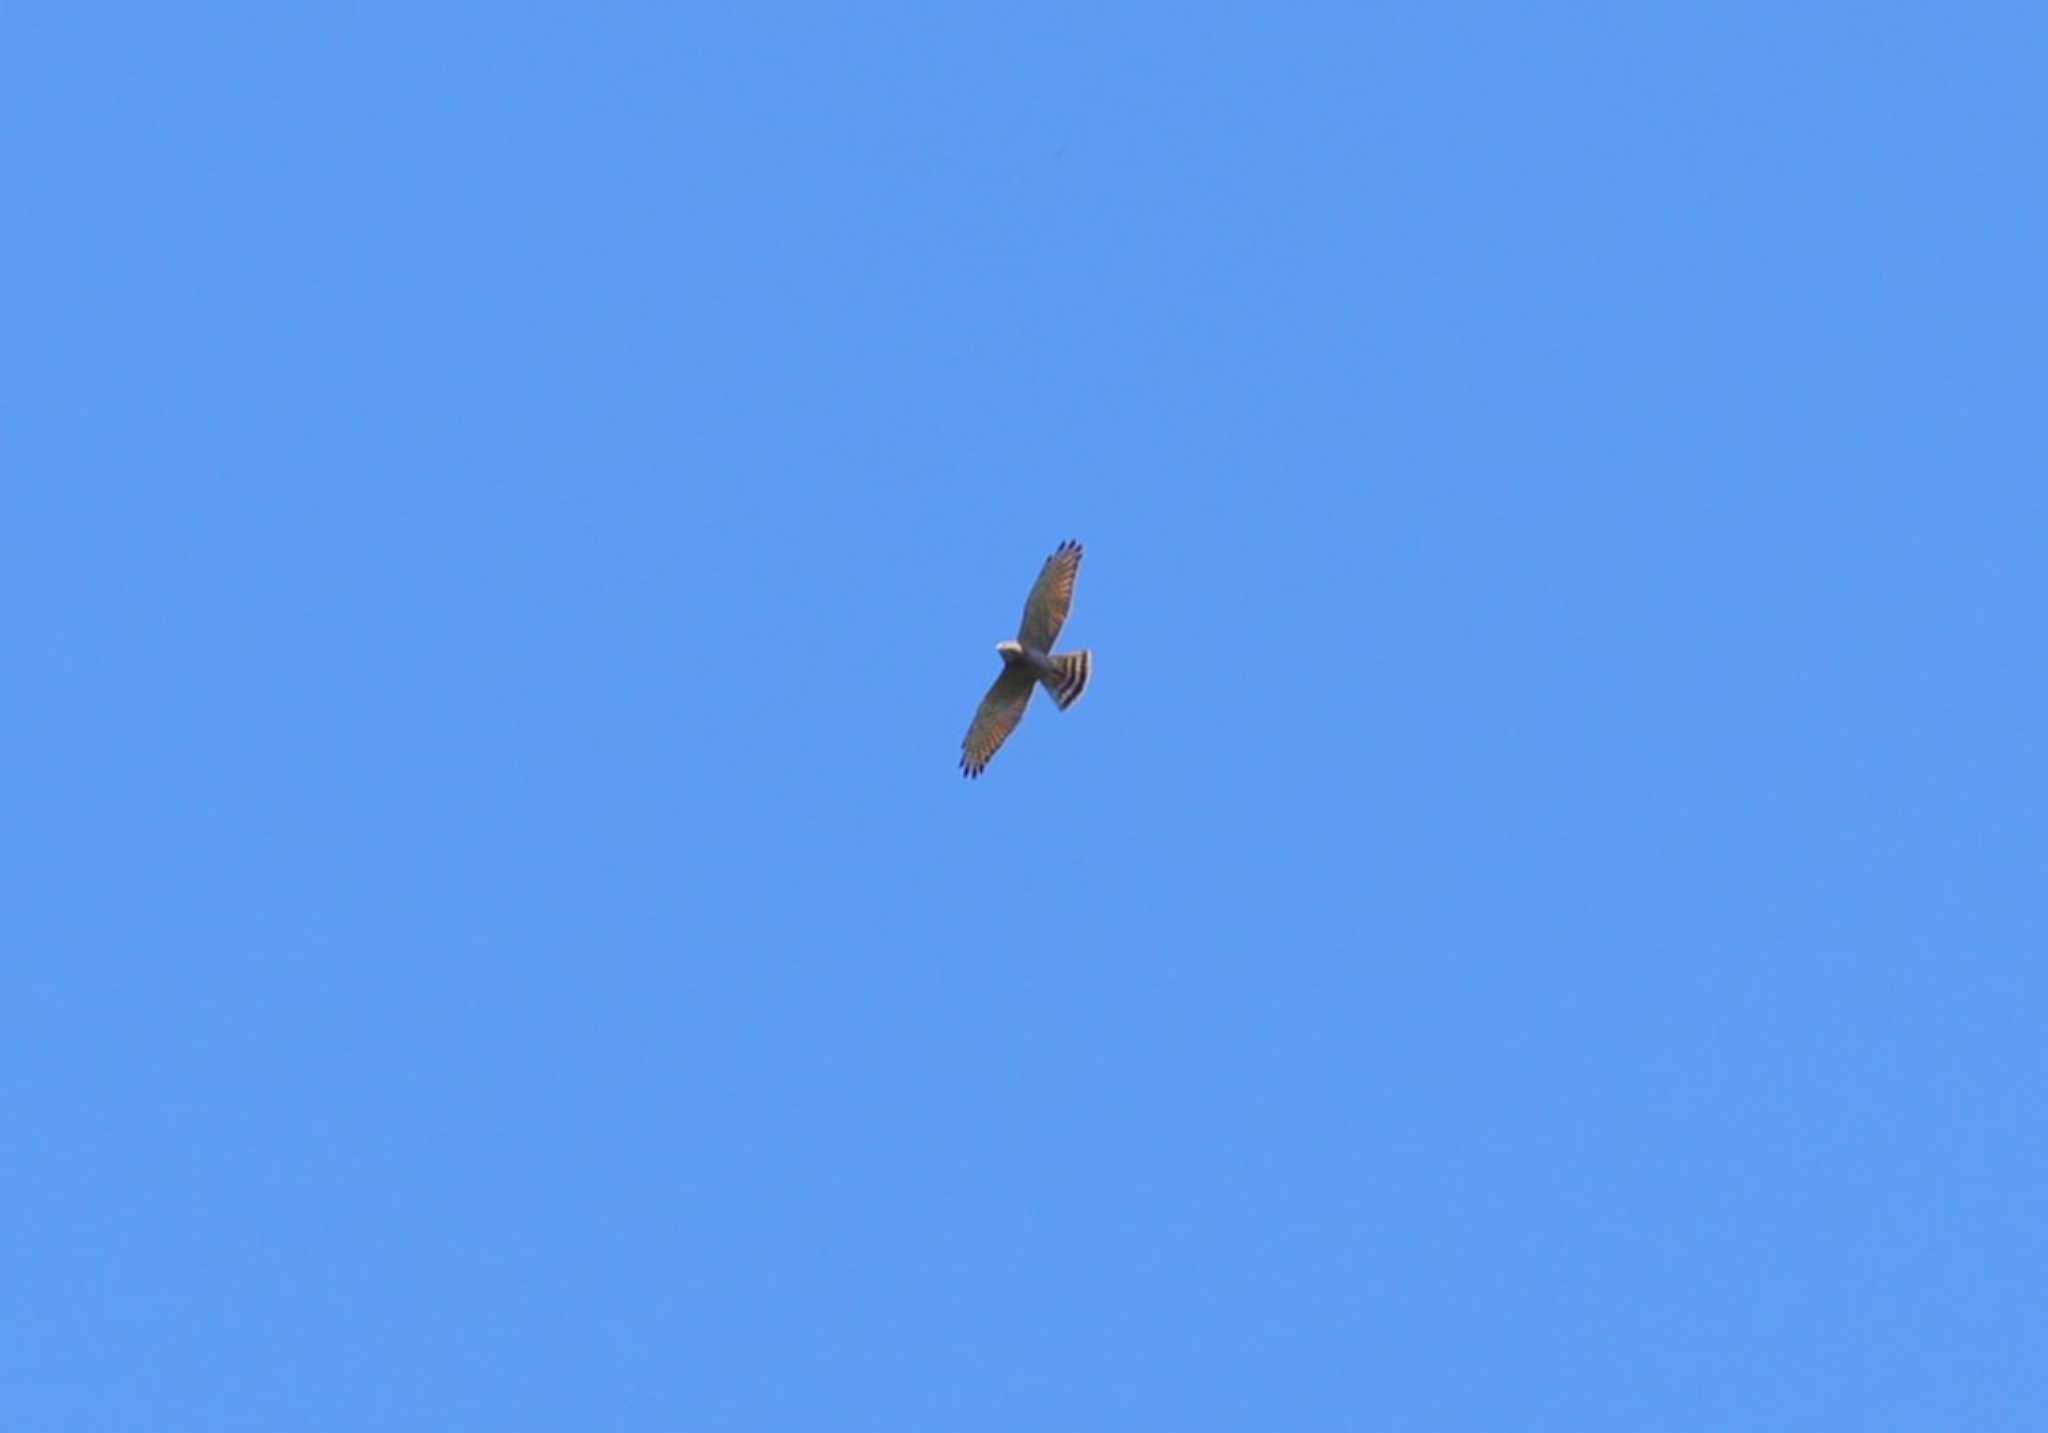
<point x="1029" y="660"/>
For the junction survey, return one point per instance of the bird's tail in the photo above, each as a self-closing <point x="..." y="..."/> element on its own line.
<point x="1069" y="677"/>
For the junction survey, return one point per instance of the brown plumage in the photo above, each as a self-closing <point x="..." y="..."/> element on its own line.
<point x="1029" y="660"/>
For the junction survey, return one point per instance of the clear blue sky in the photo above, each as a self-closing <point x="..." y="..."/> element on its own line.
<point x="1537" y="923"/>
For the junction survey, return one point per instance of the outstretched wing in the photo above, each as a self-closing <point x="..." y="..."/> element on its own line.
<point x="1045" y="611"/>
<point x="1000" y="712"/>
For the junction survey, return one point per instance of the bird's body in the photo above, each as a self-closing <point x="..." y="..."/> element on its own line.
<point x="1029" y="661"/>
<point x="1017" y="654"/>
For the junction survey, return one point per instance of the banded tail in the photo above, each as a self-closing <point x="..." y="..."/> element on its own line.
<point x="1069" y="677"/>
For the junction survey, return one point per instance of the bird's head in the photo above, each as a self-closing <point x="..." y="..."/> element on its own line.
<point x="1010" y="651"/>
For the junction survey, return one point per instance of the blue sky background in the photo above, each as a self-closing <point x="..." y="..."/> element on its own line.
<point x="1537" y="923"/>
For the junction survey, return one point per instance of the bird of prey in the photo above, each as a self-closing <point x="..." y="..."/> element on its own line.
<point x="1029" y="661"/>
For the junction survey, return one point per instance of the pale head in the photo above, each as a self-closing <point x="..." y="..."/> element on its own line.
<point x="1010" y="651"/>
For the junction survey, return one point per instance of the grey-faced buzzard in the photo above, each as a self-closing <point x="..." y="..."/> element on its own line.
<point x="1029" y="660"/>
